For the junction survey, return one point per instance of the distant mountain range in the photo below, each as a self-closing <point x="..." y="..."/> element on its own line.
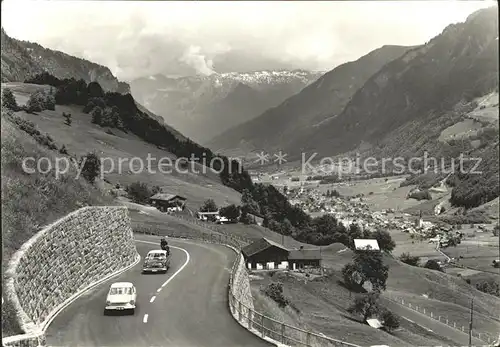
<point x="205" y="106"/>
<point x="22" y="59"/>
<point x="304" y="112"/>
<point x="390" y="92"/>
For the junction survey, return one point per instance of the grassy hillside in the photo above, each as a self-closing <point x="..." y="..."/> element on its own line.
<point x="323" y="302"/>
<point x="83" y="137"/>
<point x="31" y="201"/>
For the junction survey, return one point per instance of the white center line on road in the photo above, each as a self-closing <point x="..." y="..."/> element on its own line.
<point x="158" y="290"/>
<point x="145" y="320"/>
<point x="152" y="299"/>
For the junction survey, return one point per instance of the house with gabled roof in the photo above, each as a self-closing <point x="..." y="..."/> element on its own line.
<point x="163" y="201"/>
<point x="265" y="254"/>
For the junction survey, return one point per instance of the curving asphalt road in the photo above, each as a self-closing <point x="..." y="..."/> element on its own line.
<point x="187" y="307"/>
<point x="441" y="329"/>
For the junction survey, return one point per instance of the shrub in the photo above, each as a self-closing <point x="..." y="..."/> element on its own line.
<point x="35" y="103"/>
<point x="489" y="286"/>
<point x="91" y="166"/>
<point x="67" y="117"/>
<point x="49" y="102"/>
<point x="409" y="259"/>
<point x="496" y="230"/>
<point x="63" y="150"/>
<point x="389" y="320"/>
<point x="433" y="265"/>
<point x="274" y="290"/>
<point x="209" y="206"/>
<point x="139" y="192"/>
<point x="30" y="129"/>
<point x="231" y="212"/>
<point x="9" y="101"/>
<point x="97" y="114"/>
<point x="421" y="195"/>
<point x="366" y="305"/>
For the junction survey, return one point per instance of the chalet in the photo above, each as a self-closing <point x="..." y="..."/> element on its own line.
<point x="265" y="254"/>
<point x="302" y="258"/>
<point x="163" y="201"/>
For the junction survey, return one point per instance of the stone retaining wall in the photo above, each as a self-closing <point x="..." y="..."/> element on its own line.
<point x="241" y="287"/>
<point x="63" y="259"/>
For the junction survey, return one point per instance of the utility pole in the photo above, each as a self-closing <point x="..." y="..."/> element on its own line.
<point x="470" y="322"/>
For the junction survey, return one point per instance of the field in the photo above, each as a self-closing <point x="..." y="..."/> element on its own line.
<point x="379" y="194"/>
<point x="487" y="108"/>
<point x="477" y="252"/>
<point x="322" y="305"/>
<point x="83" y="137"/>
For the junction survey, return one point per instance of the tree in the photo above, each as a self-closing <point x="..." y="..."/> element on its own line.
<point x="389" y="320"/>
<point x="209" y="206"/>
<point x="94" y="90"/>
<point x="489" y="286"/>
<point x="249" y="205"/>
<point x="433" y="265"/>
<point x="409" y="259"/>
<point x="245" y="218"/>
<point x="50" y="102"/>
<point x="384" y="239"/>
<point x="350" y="276"/>
<point x="67" y="116"/>
<point x="91" y="166"/>
<point x="35" y="103"/>
<point x="367" y="266"/>
<point x="139" y="192"/>
<point x="8" y="100"/>
<point x="231" y="212"/>
<point x="274" y="290"/>
<point x="496" y="230"/>
<point x="365" y="305"/>
<point x="287" y="227"/>
<point x="96" y="114"/>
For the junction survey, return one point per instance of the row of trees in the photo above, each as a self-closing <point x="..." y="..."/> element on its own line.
<point x="125" y="114"/>
<point x="368" y="266"/>
<point x="37" y="102"/>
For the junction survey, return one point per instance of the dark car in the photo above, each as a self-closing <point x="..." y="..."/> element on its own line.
<point x="156" y="261"/>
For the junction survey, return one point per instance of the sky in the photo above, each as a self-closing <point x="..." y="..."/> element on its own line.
<point x="138" y="39"/>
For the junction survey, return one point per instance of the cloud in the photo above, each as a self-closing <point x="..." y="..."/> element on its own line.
<point x="137" y="39"/>
<point x="198" y="61"/>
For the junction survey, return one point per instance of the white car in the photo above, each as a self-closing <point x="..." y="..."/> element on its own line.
<point x="121" y="296"/>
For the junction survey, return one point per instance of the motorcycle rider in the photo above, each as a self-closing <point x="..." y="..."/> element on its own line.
<point x="164" y="244"/>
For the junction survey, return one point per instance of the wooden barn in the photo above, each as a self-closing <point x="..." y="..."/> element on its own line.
<point x="265" y="254"/>
<point x="163" y="201"/>
<point x="302" y="258"/>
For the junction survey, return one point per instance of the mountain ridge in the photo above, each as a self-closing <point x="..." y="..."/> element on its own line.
<point x="22" y="60"/>
<point x="190" y="103"/>
<point x="316" y="102"/>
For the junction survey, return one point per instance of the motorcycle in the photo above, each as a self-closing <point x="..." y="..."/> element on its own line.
<point x="165" y="247"/>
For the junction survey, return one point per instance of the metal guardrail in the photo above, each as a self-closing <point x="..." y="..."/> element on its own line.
<point x="255" y="321"/>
